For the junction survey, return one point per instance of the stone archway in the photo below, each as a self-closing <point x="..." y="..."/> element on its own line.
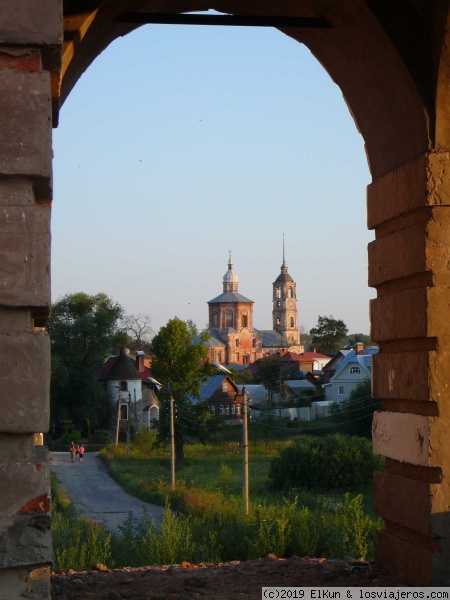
<point x="392" y="66"/>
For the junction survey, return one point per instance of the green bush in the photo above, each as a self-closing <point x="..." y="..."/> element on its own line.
<point x="102" y="436"/>
<point x="334" y="462"/>
<point x="69" y="437"/>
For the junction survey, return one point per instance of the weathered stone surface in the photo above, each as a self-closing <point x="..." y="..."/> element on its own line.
<point x="424" y="181"/>
<point x="26" y="22"/>
<point x="401" y="375"/>
<point x="402" y="436"/>
<point x="397" y="255"/>
<point x="390" y="493"/>
<point x="25" y="124"/>
<point x="399" y="315"/>
<point x="13" y="320"/>
<point x="25" y="536"/>
<point x="16" y="192"/>
<point x="406" y="559"/>
<point x="25" y="251"/>
<point x="18" y="583"/>
<point x="20" y="448"/>
<point x="24" y="373"/>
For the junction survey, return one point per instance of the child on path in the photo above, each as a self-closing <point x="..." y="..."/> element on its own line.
<point x="81" y="452"/>
<point x="72" y="451"/>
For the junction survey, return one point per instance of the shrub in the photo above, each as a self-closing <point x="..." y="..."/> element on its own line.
<point x="71" y="436"/>
<point x="325" y="463"/>
<point x="102" y="436"/>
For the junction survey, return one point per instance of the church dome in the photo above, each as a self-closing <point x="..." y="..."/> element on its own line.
<point x="230" y="276"/>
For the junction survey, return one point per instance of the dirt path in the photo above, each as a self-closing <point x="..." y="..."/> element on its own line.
<point x="95" y="495"/>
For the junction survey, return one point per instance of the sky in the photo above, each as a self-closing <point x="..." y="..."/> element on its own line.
<point x="182" y="143"/>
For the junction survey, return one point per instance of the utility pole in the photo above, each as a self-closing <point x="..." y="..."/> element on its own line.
<point x="118" y="415"/>
<point x="172" y="442"/>
<point x="245" y="448"/>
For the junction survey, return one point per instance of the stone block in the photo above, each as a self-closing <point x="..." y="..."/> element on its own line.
<point x="22" y="583"/>
<point x="399" y="191"/>
<point x="400" y="315"/>
<point x="401" y="375"/>
<point x="13" y="320"/>
<point x="404" y="437"/>
<point x="390" y="493"/>
<point x="397" y="255"/>
<point x="399" y="557"/>
<point x="26" y="22"/>
<point x="25" y="123"/>
<point x="25" y="536"/>
<point x="16" y="192"/>
<point x="20" y="449"/>
<point x="423" y="181"/>
<point x="24" y="373"/>
<point x="25" y="252"/>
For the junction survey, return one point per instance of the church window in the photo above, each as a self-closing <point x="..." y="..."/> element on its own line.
<point x="215" y="320"/>
<point x="237" y="357"/>
<point x="219" y="357"/>
<point x="278" y="303"/>
<point x="278" y="321"/>
<point x="236" y="342"/>
<point x="278" y="292"/>
<point x="253" y="356"/>
<point x="290" y="292"/>
<point x="253" y="343"/>
<point x="229" y="319"/>
<point x="244" y="320"/>
<point x="224" y="386"/>
<point x="292" y="321"/>
<point x="124" y="411"/>
<point x="124" y="386"/>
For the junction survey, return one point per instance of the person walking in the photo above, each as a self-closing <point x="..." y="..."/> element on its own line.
<point x="73" y="452"/>
<point x="81" y="452"/>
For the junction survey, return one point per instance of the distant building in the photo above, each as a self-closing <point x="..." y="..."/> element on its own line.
<point x="233" y="338"/>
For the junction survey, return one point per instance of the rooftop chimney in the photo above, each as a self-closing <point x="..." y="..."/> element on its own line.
<point x="359" y="347"/>
<point x="140" y="361"/>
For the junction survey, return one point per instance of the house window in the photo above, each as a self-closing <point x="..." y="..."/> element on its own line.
<point x="355" y="370"/>
<point x="233" y="409"/>
<point x="244" y="321"/>
<point x="224" y="386"/>
<point x="124" y="412"/>
<point x="124" y="386"/>
<point x="341" y="390"/>
<point x="221" y="411"/>
<point x="213" y="410"/>
<point x="227" y="409"/>
<point x="238" y="409"/>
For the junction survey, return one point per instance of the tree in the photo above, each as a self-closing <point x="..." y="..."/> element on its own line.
<point x="329" y="335"/>
<point x="354" y="416"/>
<point x="179" y="365"/>
<point x="269" y="374"/>
<point x="139" y="331"/>
<point x="353" y="338"/>
<point x="83" y="329"/>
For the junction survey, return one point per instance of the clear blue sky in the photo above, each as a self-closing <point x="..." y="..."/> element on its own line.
<point x="181" y="143"/>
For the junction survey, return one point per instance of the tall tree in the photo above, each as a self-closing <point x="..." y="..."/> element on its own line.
<point x="179" y="365"/>
<point x="329" y="335"/>
<point x="83" y="330"/>
<point x="269" y="373"/>
<point x="139" y="331"/>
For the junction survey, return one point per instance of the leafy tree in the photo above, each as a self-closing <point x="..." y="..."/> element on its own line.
<point x="329" y="335"/>
<point x="179" y="365"/>
<point x="83" y="329"/>
<point x="353" y="338"/>
<point x="139" y="331"/>
<point x="354" y="416"/>
<point x="269" y="374"/>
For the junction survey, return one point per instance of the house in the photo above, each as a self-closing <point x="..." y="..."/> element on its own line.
<point x="223" y="396"/>
<point x="127" y="381"/>
<point x="334" y="363"/>
<point x="355" y="367"/>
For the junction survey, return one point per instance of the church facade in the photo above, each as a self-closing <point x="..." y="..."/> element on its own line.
<point x="233" y="339"/>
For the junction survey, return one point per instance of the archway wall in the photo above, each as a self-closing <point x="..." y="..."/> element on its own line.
<point x="30" y="37"/>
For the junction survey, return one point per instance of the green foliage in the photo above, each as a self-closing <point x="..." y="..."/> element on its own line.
<point x="102" y="436"/>
<point x="77" y="543"/>
<point x="354" y="416"/>
<point x="325" y="463"/>
<point x="179" y="364"/>
<point x="329" y="335"/>
<point x="71" y="436"/>
<point x="353" y="338"/>
<point x="269" y="374"/>
<point x="83" y="329"/>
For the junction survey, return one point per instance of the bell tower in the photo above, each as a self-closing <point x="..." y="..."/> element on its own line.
<point x="284" y="311"/>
